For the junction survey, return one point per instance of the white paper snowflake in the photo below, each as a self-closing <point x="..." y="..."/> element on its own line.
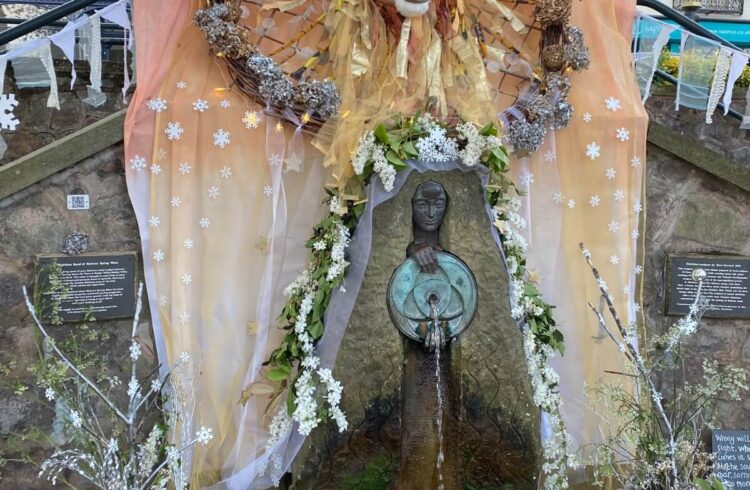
<point x="200" y="105"/>
<point x="225" y="173"/>
<point x="184" y="168"/>
<point x="182" y="85"/>
<point x="204" y="222"/>
<point x="611" y="173"/>
<point x="558" y="198"/>
<point x="225" y="104"/>
<point x="157" y="105"/>
<point x="526" y="178"/>
<point x="637" y="207"/>
<point x="619" y="195"/>
<point x="176" y="201"/>
<point x="8" y="104"/>
<point x="221" y="138"/>
<point x="613" y="226"/>
<point x="161" y="154"/>
<point x="594" y="201"/>
<point x="614" y="260"/>
<point x="174" y="131"/>
<point x="268" y="190"/>
<point x="274" y="160"/>
<point x="213" y="192"/>
<point x="625" y="290"/>
<point x="251" y="119"/>
<point x="549" y="156"/>
<point x="635" y="234"/>
<point x="188" y="244"/>
<point x="186" y="279"/>
<point x="637" y="270"/>
<point x="623" y="134"/>
<point x="159" y="255"/>
<point x="612" y="104"/>
<point x="636" y="307"/>
<point x="156" y="169"/>
<point x="593" y="150"/>
<point x="137" y="162"/>
<point x="571" y="203"/>
<point x="163" y="300"/>
<point x="587" y="117"/>
<point x="154" y="221"/>
<point x="184" y="318"/>
<point x="635" y="162"/>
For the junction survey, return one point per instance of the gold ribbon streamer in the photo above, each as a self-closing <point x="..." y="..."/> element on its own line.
<point x="511" y="17"/>
<point x="402" y="54"/>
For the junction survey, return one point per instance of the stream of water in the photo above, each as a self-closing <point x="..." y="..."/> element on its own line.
<point x="439" y="387"/>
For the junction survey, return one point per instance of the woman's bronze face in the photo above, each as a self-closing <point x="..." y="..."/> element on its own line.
<point x="429" y="205"/>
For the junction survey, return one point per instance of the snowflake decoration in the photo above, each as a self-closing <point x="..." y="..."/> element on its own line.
<point x="636" y="307"/>
<point x="626" y="290"/>
<point x="159" y="255"/>
<point x="587" y="117"/>
<point x="154" y="221"/>
<point x="527" y="178"/>
<point x="612" y="104"/>
<point x="558" y="198"/>
<point x="156" y="169"/>
<point x="637" y="270"/>
<point x="174" y="131"/>
<point x="623" y="134"/>
<point x="8" y="104"/>
<point x="593" y="151"/>
<point x="594" y="201"/>
<point x="162" y="300"/>
<point x="204" y="222"/>
<point x="186" y="279"/>
<point x="613" y="226"/>
<point x="137" y="162"/>
<point x="274" y="160"/>
<point x="614" y="260"/>
<point x="184" y="168"/>
<point x="225" y="104"/>
<point x="611" y="173"/>
<point x="200" y="105"/>
<point x="213" y="192"/>
<point x="225" y="173"/>
<point x="635" y="162"/>
<point x="635" y="234"/>
<point x="571" y="203"/>
<point x="637" y="207"/>
<point x="251" y="119"/>
<point x="161" y="154"/>
<point x="176" y="201"/>
<point x="182" y="85"/>
<point x="157" y="105"/>
<point x="619" y="195"/>
<point x="549" y="156"/>
<point x="268" y="190"/>
<point x="184" y="318"/>
<point x="188" y="244"/>
<point x="221" y="138"/>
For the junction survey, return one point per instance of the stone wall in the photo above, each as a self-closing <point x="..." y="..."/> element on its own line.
<point x="32" y="222"/>
<point x="692" y="211"/>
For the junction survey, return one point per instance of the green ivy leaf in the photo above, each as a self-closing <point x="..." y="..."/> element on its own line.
<point x="488" y="130"/>
<point x="395" y="160"/>
<point x="316" y="330"/>
<point x="381" y="134"/>
<point x="277" y="374"/>
<point x="291" y="401"/>
<point x="410" y="149"/>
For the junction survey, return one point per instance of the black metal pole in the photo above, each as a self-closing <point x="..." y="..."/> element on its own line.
<point x="43" y="20"/>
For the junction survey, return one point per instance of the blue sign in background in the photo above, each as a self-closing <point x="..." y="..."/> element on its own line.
<point x="737" y="33"/>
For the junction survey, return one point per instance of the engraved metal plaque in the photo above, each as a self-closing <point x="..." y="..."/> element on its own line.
<point x="726" y="286"/>
<point x="100" y="284"/>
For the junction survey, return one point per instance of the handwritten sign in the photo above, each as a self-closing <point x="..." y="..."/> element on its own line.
<point x="726" y="286"/>
<point x="102" y="285"/>
<point x="731" y="450"/>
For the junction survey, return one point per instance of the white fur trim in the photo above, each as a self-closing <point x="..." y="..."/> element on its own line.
<point x="412" y="9"/>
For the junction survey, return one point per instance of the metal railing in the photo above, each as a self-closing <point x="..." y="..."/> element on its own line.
<point x="691" y="26"/>
<point x="45" y="19"/>
<point x="727" y="7"/>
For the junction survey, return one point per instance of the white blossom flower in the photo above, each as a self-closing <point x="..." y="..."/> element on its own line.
<point x="623" y="134"/>
<point x="612" y="104"/>
<point x="614" y="260"/>
<point x="75" y="419"/>
<point x="49" y="393"/>
<point x="204" y="435"/>
<point x="137" y="162"/>
<point x="571" y="203"/>
<point x="174" y="131"/>
<point x="213" y="192"/>
<point x="635" y="162"/>
<point x="593" y="151"/>
<point x="251" y="119"/>
<point x="225" y="173"/>
<point x="188" y="243"/>
<point x="558" y="198"/>
<point x="221" y="138"/>
<point x="613" y="226"/>
<point x="176" y="201"/>
<point x="611" y="173"/>
<point x="200" y="105"/>
<point x="225" y="104"/>
<point x="135" y="351"/>
<point x="594" y="201"/>
<point x="618" y="195"/>
<point x="154" y="221"/>
<point x="159" y="255"/>
<point x="156" y="385"/>
<point x="157" y="105"/>
<point x="319" y="245"/>
<point x="186" y="279"/>
<point x="184" y="168"/>
<point x="133" y="388"/>
<point x="268" y="190"/>
<point x="587" y="117"/>
<point x="204" y="222"/>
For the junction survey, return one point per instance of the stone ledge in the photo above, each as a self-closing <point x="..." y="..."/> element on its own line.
<point x="698" y="155"/>
<point x="61" y="154"/>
